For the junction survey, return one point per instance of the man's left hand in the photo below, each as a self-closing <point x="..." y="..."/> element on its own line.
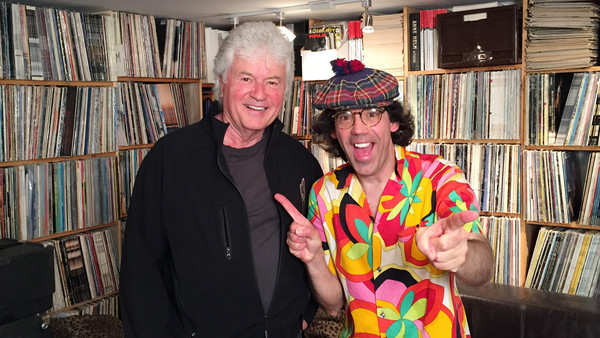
<point x="445" y="242"/>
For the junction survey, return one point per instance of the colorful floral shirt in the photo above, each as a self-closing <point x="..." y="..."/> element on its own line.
<point x="390" y="287"/>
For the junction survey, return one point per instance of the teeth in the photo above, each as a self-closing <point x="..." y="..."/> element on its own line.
<point x="255" y="107"/>
<point x="361" y="145"/>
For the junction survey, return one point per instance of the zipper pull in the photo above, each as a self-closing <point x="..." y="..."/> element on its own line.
<point x="266" y="326"/>
<point x="228" y="253"/>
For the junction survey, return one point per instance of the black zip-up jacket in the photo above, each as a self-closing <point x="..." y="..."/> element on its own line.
<point x="187" y="267"/>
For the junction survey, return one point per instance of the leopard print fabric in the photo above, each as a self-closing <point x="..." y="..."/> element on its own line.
<point x="104" y="326"/>
<point x="325" y="326"/>
<point x="86" y="326"/>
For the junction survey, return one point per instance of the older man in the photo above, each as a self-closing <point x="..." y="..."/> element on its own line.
<point x="204" y="251"/>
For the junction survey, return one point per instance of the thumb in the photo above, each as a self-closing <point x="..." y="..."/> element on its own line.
<point x="424" y="237"/>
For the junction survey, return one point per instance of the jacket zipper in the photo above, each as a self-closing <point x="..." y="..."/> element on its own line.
<point x="281" y="239"/>
<point x="220" y="162"/>
<point x="192" y="327"/>
<point x="226" y="233"/>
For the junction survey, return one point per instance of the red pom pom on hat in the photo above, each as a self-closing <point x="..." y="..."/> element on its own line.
<point x="355" y="66"/>
<point x="341" y="66"/>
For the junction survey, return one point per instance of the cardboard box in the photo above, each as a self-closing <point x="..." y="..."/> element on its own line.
<point x="316" y="65"/>
<point x="480" y="37"/>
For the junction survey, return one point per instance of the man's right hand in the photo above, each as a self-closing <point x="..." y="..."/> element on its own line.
<point x="302" y="238"/>
<point x="445" y="242"/>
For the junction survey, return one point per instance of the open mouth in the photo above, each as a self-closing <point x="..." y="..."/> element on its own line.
<point x="255" y="107"/>
<point x="362" y="150"/>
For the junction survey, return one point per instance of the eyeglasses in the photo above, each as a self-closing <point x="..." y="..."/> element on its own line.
<point x="370" y="117"/>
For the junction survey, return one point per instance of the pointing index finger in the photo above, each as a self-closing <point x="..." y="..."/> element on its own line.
<point x="459" y="219"/>
<point x="290" y="208"/>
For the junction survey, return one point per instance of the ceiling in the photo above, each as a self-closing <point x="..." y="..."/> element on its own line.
<point x="212" y="12"/>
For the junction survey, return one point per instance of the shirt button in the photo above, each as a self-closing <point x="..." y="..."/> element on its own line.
<point x="379" y="269"/>
<point x="382" y="315"/>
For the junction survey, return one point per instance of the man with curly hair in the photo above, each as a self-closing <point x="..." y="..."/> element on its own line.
<point x="390" y="230"/>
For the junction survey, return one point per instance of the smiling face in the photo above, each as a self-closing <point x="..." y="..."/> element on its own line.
<point x="252" y="96"/>
<point x="369" y="150"/>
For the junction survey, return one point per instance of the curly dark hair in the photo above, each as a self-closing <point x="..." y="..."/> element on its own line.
<point x="323" y="126"/>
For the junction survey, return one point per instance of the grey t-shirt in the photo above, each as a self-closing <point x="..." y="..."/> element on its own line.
<point x="246" y="165"/>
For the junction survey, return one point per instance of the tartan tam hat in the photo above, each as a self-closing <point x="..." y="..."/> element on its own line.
<point x="354" y="86"/>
